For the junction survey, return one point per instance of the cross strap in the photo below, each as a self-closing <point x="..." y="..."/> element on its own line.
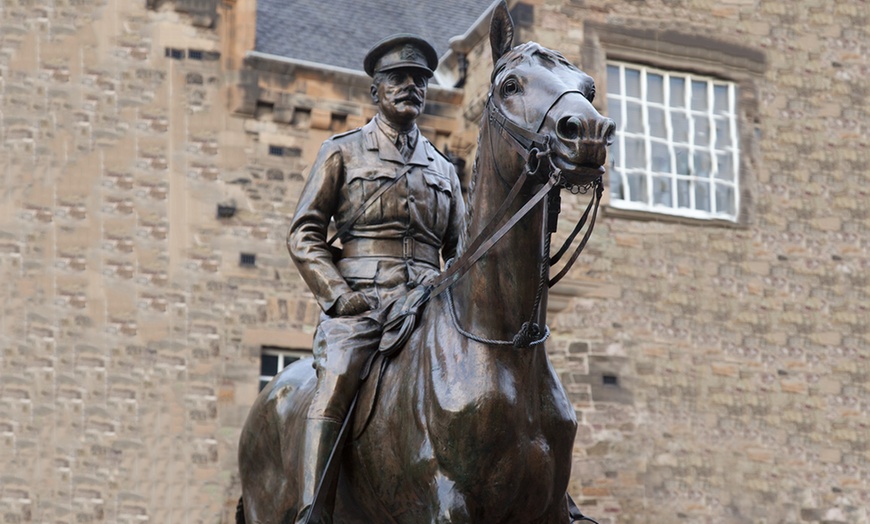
<point x="367" y="204"/>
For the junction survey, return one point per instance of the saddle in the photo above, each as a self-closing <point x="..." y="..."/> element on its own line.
<point x="400" y="324"/>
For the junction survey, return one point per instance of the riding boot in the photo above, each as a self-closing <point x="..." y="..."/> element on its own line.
<point x="320" y="438"/>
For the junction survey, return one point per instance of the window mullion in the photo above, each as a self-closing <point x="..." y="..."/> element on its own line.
<point x="690" y="141"/>
<point x="669" y="132"/>
<point x="735" y="145"/>
<point x="624" y="110"/>
<point x="711" y="146"/>
<point x="647" y="143"/>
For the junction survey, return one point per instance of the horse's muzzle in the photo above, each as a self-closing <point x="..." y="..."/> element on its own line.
<point x="581" y="149"/>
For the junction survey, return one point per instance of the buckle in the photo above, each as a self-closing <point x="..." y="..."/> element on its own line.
<point x="408" y="247"/>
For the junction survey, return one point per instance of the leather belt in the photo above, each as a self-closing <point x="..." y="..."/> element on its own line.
<point x="405" y="247"/>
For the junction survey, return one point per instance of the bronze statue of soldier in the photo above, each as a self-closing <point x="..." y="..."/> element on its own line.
<point x="397" y="204"/>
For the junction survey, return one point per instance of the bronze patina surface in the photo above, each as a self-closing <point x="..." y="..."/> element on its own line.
<point x="462" y="427"/>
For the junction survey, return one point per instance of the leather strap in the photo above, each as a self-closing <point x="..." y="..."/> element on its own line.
<point x="485" y="242"/>
<point x="599" y="189"/>
<point x="367" y="204"/>
<point x="406" y="247"/>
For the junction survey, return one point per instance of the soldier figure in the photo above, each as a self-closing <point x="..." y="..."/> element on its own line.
<point x="391" y="242"/>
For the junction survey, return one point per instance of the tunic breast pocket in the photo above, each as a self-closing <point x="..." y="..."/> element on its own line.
<point x="361" y="185"/>
<point x="440" y="195"/>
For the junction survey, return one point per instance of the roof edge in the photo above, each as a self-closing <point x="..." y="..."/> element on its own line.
<point x="464" y="43"/>
<point x="285" y="65"/>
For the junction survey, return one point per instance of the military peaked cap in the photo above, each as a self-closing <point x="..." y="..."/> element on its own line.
<point x="402" y="50"/>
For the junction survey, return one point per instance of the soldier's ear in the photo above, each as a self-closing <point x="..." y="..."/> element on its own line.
<point x="374" y="90"/>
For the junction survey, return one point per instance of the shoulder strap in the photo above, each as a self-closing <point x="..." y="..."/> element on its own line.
<point x="367" y="204"/>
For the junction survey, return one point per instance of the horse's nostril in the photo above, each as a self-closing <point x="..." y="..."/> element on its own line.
<point x="607" y="130"/>
<point x="569" y="128"/>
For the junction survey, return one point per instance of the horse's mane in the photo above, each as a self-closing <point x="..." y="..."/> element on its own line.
<point x="472" y="184"/>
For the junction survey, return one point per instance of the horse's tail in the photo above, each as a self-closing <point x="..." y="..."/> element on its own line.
<point x="240" y="511"/>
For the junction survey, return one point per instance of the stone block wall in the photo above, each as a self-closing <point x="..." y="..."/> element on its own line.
<point x="130" y="332"/>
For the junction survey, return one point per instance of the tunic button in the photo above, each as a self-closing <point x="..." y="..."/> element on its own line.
<point x="412" y="199"/>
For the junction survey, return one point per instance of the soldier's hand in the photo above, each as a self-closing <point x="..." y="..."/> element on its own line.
<point x="352" y="303"/>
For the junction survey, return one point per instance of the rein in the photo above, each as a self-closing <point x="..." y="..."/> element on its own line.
<point x="531" y="146"/>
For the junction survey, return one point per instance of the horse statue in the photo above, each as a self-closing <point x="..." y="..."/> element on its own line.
<point x="468" y="423"/>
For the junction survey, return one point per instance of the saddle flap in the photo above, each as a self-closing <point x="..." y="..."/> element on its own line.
<point x="368" y="396"/>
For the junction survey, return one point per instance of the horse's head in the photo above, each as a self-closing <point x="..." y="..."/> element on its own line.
<point x="544" y="103"/>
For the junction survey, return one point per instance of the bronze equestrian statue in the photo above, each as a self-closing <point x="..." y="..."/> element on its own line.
<point x="468" y="423"/>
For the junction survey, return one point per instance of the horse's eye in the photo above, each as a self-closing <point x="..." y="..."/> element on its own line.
<point x="510" y="87"/>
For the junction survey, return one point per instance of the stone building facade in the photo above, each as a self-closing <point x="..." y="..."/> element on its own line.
<point x="719" y="368"/>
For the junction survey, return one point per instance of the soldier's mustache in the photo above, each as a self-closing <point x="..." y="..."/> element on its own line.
<point x="410" y="97"/>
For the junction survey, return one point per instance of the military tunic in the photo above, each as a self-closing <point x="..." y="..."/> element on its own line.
<point x="393" y="246"/>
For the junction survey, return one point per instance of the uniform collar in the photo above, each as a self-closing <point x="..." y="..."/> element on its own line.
<point x="381" y="137"/>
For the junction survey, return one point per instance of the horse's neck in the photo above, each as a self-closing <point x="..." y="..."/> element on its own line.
<point x="498" y="294"/>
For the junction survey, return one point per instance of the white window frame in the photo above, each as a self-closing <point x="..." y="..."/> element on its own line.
<point x="617" y="95"/>
<point x="285" y="357"/>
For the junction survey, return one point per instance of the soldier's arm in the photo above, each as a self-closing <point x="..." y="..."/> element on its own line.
<point x="306" y="240"/>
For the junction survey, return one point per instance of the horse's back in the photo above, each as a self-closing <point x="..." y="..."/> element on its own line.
<point x="271" y="443"/>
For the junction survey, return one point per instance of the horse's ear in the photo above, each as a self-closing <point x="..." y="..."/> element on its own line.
<point x="501" y="32"/>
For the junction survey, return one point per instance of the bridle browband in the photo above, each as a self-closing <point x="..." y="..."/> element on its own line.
<point x="532" y="147"/>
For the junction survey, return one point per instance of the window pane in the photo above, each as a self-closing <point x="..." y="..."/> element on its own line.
<point x="613" y="154"/>
<point x="614" y="111"/>
<point x="703" y="164"/>
<point x="680" y="125"/>
<point x="682" y="160"/>
<point x="702" y="195"/>
<point x="683" y="187"/>
<point x="678" y="92"/>
<point x="725" y="169"/>
<point x="613" y="79"/>
<point x="633" y="117"/>
<point x="637" y="187"/>
<point x="635" y="153"/>
<point x="662" y="191"/>
<point x="289" y="359"/>
<point x="263" y="384"/>
<point x="661" y="157"/>
<point x="720" y="99"/>
<point x="616" y="189"/>
<point x="269" y="365"/>
<point x="657" y="123"/>
<point x="655" y="91"/>
<point x="699" y="96"/>
<point x="723" y="134"/>
<point x="632" y="82"/>
<point x="725" y="199"/>
<point x="702" y="132"/>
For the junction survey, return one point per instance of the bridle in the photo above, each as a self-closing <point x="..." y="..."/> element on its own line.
<point x="533" y="148"/>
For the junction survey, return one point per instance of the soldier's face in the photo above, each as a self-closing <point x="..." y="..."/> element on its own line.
<point x="400" y="95"/>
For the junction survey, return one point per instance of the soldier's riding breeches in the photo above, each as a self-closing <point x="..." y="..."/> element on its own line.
<point x="341" y="347"/>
